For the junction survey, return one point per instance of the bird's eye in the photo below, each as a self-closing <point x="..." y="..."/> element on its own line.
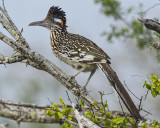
<point x="59" y="21"/>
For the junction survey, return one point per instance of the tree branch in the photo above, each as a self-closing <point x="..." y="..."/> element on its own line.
<point x="83" y="121"/>
<point x="35" y="113"/>
<point x="38" y="61"/>
<point x="12" y="59"/>
<point x="23" y="112"/>
<point x="26" y="112"/>
<point x="151" y="24"/>
<point x="11" y="28"/>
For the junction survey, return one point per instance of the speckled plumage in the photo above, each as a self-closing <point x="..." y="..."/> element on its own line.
<point x="82" y="54"/>
<point x="73" y="49"/>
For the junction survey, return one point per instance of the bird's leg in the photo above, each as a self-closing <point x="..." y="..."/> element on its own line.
<point x="79" y="71"/>
<point x="90" y="76"/>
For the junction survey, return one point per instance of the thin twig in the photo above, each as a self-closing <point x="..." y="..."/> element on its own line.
<point x="13" y="59"/>
<point x="140" y="104"/>
<point x="147" y="112"/>
<point x="121" y="105"/>
<point x="109" y="93"/>
<point x="3" y="5"/>
<point x="68" y="97"/>
<point x="49" y="100"/>
<point x="101" y="95"/>
<point x="151" y="7"/>
<point x="130" y="91"/>
<point x="134" y="126"/>
<point x="146" y="94"/>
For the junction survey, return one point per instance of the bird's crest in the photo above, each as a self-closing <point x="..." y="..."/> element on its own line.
<point x="56" y="12"/>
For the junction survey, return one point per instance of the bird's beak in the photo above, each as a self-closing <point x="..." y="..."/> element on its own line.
<point x="39" y="23"/>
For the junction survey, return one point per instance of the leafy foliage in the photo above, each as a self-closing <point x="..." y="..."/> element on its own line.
<point x="100" y="116"/>
<point x="155" y="124"/>
<point x="154" y="86"/>
<point x="131" y="29"/>
<point x="110" y="8"/>
<point x="60" y="114"/>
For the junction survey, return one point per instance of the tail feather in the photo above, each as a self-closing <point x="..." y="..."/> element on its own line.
<point x="119" y="88"/>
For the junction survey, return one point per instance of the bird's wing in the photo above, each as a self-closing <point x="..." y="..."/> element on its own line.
<point x="86" y="50"/>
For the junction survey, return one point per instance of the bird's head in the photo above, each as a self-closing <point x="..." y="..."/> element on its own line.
<point x="55" y="18"/>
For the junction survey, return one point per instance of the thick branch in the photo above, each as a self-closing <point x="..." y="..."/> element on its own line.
<point x="35" y="113"/>
<point x="151" y="24"/>
<point x="26" y="112"/>
<point x="45" y="65"/>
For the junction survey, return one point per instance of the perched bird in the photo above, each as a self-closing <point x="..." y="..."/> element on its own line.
<point x="81" y="53"/>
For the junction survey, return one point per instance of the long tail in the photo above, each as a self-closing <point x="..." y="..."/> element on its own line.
<point x="119" y="88"/>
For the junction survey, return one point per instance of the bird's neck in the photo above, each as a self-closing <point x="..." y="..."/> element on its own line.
<point x="58" y="32"/>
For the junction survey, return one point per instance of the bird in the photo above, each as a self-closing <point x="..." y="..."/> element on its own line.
<point x="82" y="54"/>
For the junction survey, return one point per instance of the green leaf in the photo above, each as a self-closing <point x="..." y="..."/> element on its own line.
<point x="63" y="112"/>
<point x="61" y="100"/>
<point x="156" y="126"/>
<point x="91" y="119"/>
<point x="60" y="115"/>
<point x="154" y="93"/>
<point x="144" y="125"/>
<point x="153" y="77"/>
<point x="69" y="117"/>
<point x="49" y="112"/>
<point x="67" y="125"/>
<point x="88" y="114"/>
<point x="113" y="124"/>
<point x="153" y="86"/>
<point x="56" y="104"/>
<point x="106" y="122"/>
<point x="118" y="120"/>
<point x="106" y="105"/>
<point x="95" y="120"/>
<point x="64" y="106"/>
<point x="69" y="110"/>
<point x="118" y="126"/>
<point x="82" y="104"/>
<point x="56" y="115"/>
<point x="102" y="111"/>
<point x="108" y="114"/>
<point x="132" y="121"/>
<point x="148" y="86"/>
<point x="144" y="84"/>
<point x="95" y="103"/>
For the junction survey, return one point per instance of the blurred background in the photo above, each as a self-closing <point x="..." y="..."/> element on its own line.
<point x="131" y="59"/>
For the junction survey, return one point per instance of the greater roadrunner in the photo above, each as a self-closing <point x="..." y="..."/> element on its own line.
<point x="81" y="53"/>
